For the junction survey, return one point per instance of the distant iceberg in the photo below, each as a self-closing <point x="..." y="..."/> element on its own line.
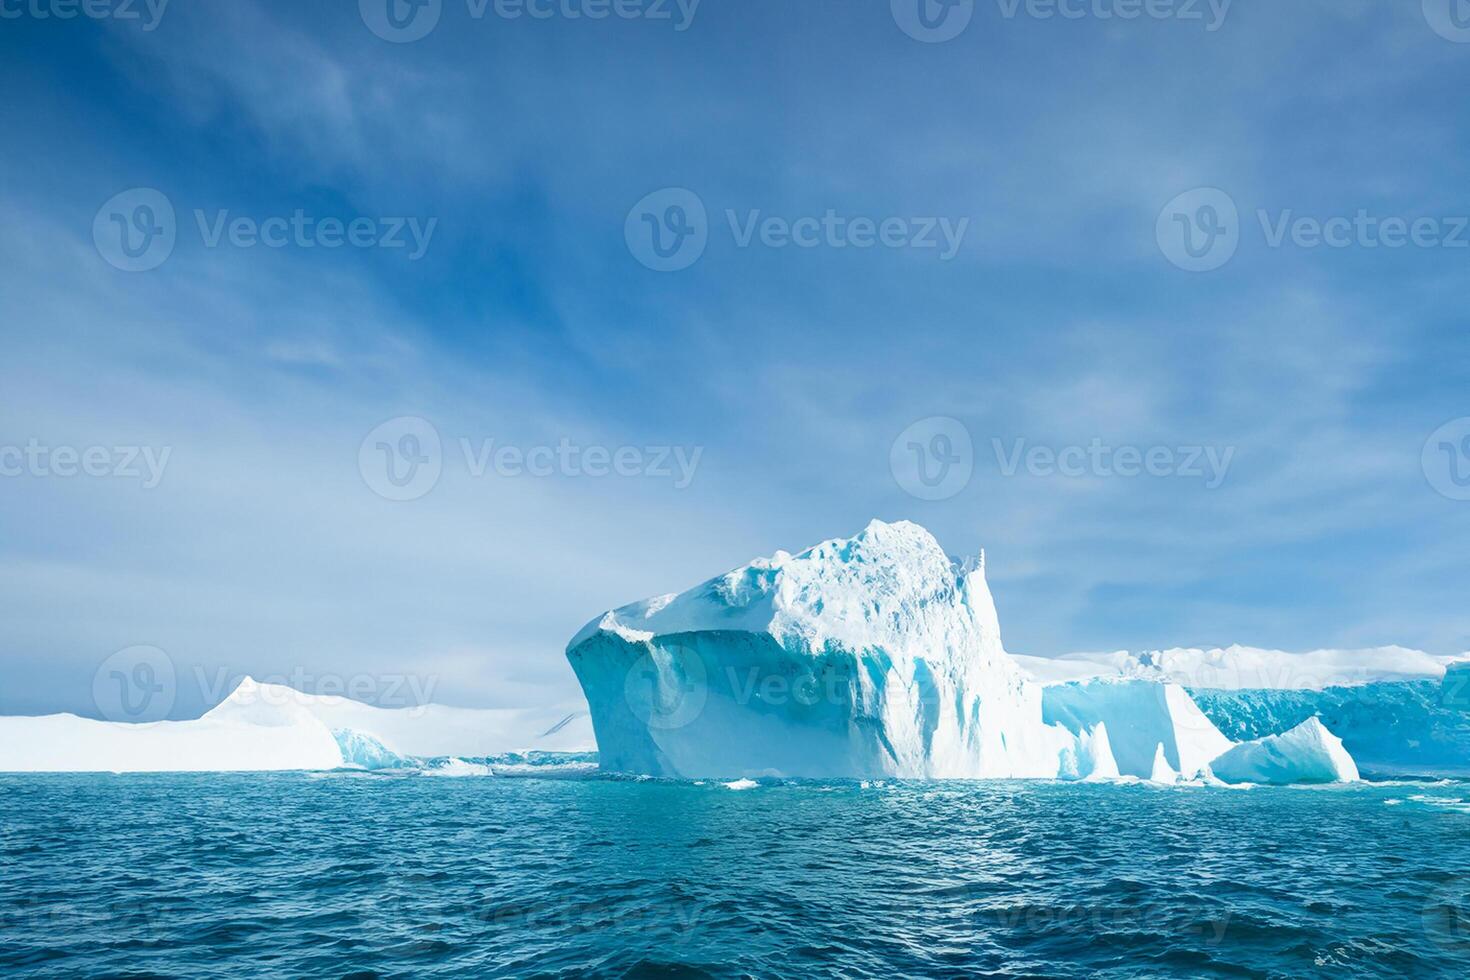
<point x="1398" y="711"/>
<point x="269" y="727"/>
<point x="871" y="656"/>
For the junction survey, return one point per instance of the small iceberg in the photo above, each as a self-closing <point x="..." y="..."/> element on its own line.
<point x="1309" y="753"/>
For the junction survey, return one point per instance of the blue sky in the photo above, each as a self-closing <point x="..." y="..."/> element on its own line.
<point x="1060" y="319"/>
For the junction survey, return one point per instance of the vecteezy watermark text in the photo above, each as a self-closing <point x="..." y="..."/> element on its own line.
<point x="935" y="21"/>
<point x="147" y="12"/>
<point x="679" y="12"/>
<point x="1200" y="230"/>
<point x="668" y="687"/>
<point x="403" y="459"/>
<point x="404" y="21"/>
<point x="35" y="459"/>
<point x="833" y="230"/>
<point x="137" y="230"/>
<point x="1098" y="459"/>
<point x="389" y="690"/>
<point x="1209" y="13"/>
<point x="141" y="684"/>
<point x="302" y="230"/>
<point x="569" y="459"/>
<point x="1158" y="917"/>
<point x="934" y="459"/>
<point x="669" y="229"/>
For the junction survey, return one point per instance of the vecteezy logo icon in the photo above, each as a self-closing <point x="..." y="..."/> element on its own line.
<point x="667" y="230"/>
<point x="1199" y="230"/>
<point x="1449" y="18"/>
<point x="933" y="459"/>
<point x="402" y="458"/>
<point x="1446" y="459"/>
<point x="667" y="687"/>
<point x="137" y="684"/>
<point x="135" y="230"/>
<point x="1446" y="916"/>
<point x="932" y="21"/>
<point x="400" y="21"/>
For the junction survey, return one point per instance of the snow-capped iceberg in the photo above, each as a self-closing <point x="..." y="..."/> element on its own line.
<point x="875" y="655"/>
<point x="270" y="727"/>
<point x="1309" y="753"/>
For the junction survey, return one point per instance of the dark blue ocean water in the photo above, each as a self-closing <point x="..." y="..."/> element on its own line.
<point x="360" y="875"/>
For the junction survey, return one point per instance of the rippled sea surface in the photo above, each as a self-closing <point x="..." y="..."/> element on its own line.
<point x="360" y="875"/>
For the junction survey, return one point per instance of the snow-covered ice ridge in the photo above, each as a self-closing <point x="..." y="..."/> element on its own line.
<point x="268" y="727"/>
<point x="1238" y="668"/>
<point x="1399" y="711"/>
<point x="879" y="655"/>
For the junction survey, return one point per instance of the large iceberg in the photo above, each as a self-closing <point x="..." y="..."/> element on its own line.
<point x="876" y="655"/>
<point x="271" y="727"/>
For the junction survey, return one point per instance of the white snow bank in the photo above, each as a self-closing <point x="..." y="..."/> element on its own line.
<point x="268" y="727"/>
<point x="1245" y="668"/>
<point x="230" y="738"/>
<point x="1309" y="753"/>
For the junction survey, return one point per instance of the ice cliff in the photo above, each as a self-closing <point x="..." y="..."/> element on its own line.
<point x="876" y="655"/>
<point x="1145" y="721"/>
